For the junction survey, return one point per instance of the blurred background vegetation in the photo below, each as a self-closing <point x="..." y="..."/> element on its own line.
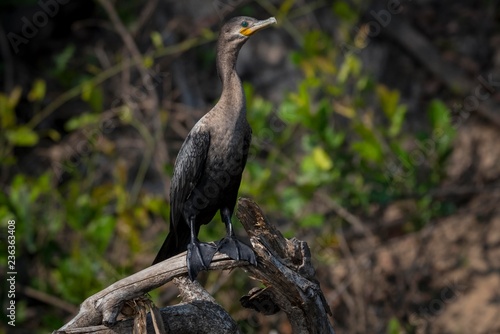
<point x="356" y="109"/>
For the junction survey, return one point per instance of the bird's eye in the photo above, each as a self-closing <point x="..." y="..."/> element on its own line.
<point x="244" y="24"/>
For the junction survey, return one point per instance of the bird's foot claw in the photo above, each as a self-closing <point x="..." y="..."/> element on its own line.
<point x="236" y="250"/>
<point x="199" y="257"/>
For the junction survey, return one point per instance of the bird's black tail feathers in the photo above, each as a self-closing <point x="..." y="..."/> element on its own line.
<point x="175" y="243"/>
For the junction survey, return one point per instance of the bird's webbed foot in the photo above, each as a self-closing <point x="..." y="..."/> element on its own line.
<point x="199" y="257"/>
<point x="236" y="250"/>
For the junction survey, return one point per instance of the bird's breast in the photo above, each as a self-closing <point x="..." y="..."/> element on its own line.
<point x="228" y="148"/>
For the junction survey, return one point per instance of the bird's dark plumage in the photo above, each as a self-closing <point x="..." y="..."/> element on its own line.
<point x="207" y="172"/>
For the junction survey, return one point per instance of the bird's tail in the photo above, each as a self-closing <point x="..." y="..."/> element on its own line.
<point x="175" y="243"/>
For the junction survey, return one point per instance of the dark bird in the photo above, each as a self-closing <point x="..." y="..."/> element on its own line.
<point x="210" y="163"/>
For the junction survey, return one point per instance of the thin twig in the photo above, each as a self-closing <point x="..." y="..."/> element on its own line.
<point x="287" y="25"/>
<point x="112" y="71"/>
<point x="355" y="304"/>
<point x="153" y="108"/>
<point x="48" y="299"/>
<point x="146" y="13"/>
<point x="343" y="213"/>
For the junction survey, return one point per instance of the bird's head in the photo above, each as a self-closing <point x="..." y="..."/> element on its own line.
<point x="239" y="29"/>
<point x="234" y="33"/>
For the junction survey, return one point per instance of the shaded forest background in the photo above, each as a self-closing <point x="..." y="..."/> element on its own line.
<point x="376" y="140"/>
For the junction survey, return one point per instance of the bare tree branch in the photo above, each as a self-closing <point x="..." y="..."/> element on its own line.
<point x="284" y="267"/>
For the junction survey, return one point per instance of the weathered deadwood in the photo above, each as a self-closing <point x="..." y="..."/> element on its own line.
<point x="284" y="267"/>
<point x="199" y="313"/>
<point x="105" y="306"/>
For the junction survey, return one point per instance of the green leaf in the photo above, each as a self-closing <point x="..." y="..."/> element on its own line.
<point x="388" y="100"/>
<point x="22" y="136"/>
<point x="100" y="230"/>
<point x="439" y="115"/>
<point x="342" y="9"/>
<point x="156" y="39"/>
<point x="285" y="7"/>
<point x="53" y="134"/>
<point x="312" y="220"/>
<point x="62" y="59"/>
<point x="443" y="131"/>
<point x="37" y="92"/>
<point x="96" y="99"/>
<point x="259" y="111"/>
<point x="292" y="200"/>
<point x="393" y="327"/>
<point x="296" y="57"/>
<point x="125" y="113"/>
<point x="87" y="88"/>
<point x="333" y="138"/>
<point x="288" y="112"/>
<point x="397" y="120"/>
<point x="395" y="113"/>
<point x="82" y="121"/>
<point x="369" y="147"/>
<point x="7" y="115"/>
<point x="148" y="61"/>
<point x="8" y="105"/>
<point x="321" y="159"/>
<point x="369" y="150"/>
<point x="351" y="65"/>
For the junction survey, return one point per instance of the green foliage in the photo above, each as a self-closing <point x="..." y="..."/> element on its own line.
<point x="93" y="95"/>
<point x="14" y="134"/>
<point x="61" y="61"/>
<point x="395" y="113"/>
<point x="394" y="327"/>
<point x="37" y="93"/>
<point x="46" y="216"/>
<point x="82" y="121"/>
<point x="342" y="9"/>
<point x="330" y="140"/>
<point x="156" y="39"/>
<point x="21" y="136"/>
<point x="66" y="225"/>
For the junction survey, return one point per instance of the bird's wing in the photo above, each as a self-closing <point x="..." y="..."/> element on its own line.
<point x="189" y="167"/>
<point x="247" y="140"/>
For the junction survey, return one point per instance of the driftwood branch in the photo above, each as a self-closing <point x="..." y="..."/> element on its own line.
<point x="104" y="307"/>
<point x="284" y="267"/>
<point x="199" y="313"/>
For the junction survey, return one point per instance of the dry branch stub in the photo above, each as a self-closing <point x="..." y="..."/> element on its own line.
<point x="285" y="267"/>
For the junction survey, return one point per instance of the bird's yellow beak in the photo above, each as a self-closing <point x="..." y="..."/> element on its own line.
<point x="259" y="25"/>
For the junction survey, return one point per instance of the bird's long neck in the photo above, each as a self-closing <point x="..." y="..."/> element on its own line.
<point x="232" y="97"/>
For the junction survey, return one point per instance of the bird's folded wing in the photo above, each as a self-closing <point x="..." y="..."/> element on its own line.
<point x="188" y="169"/>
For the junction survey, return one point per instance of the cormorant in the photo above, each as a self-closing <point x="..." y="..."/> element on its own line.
<point x="208" y="168"/>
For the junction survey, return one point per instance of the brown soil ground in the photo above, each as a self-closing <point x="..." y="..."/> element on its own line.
<point x="444" y="278"/>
